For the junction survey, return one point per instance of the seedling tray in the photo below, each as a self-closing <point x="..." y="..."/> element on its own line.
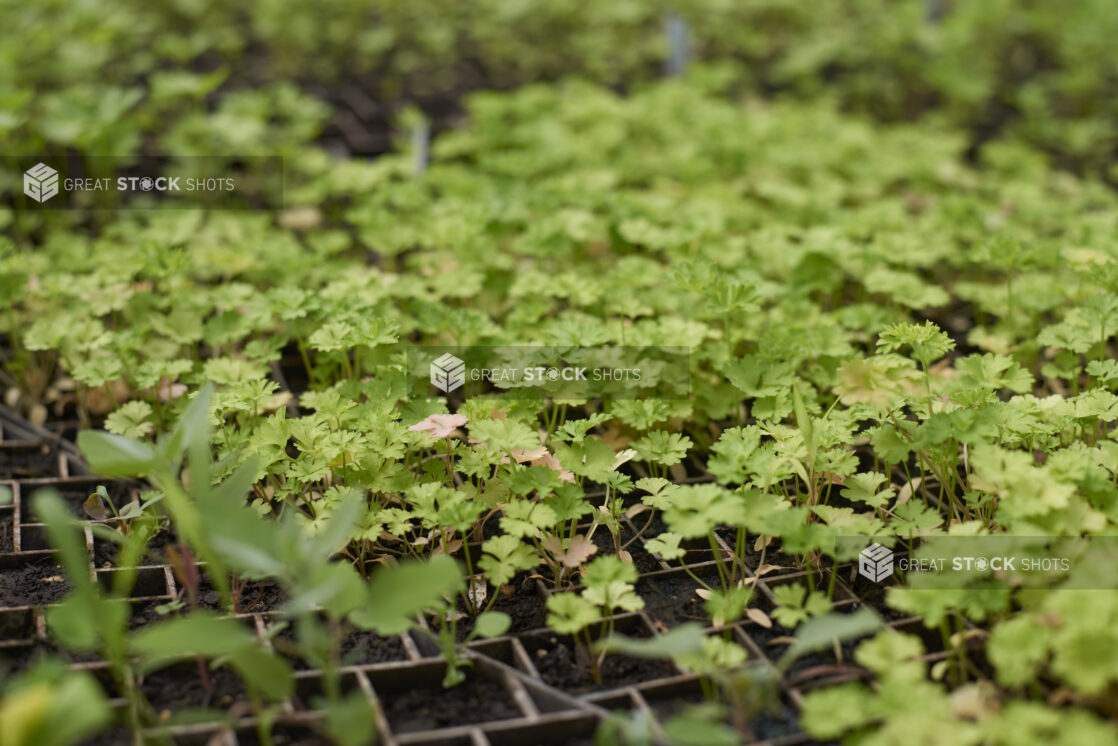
<point x="524" y="688"/>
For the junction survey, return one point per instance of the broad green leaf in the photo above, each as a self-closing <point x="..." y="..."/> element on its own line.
<point x="199" y="634"/>
<point x="823" y="631"/>
<point x="51" y="708"/>
<point x="398" y="593"/>
<point x="492" y="624"/>
<point x="115" y="455"/>
<point x="686" y="639"/>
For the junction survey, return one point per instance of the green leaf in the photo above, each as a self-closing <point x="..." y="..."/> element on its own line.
<point x="864" y="488"/>
<point x="491" y="624"/>
<point x="830" y="712"/>
<point x="666" y="545"/>
<point x="569" y="613"/>
<point x="398" y="593"/>
<point x="199" y="634"/>
<point x="1017" y="648"/>
<point x="795" y="604"/>
<point x="270" y="674"/>
<point x="524" y="518"/>
<point x="115" y="455"/>
<point x="609" y="569"/>
<point x="894" y="655"/>
<point x="131" y="420"/>
<point x="96" y="505"/>
<point x="823" y="631"/>
<point x="51" y="707"/>
<point x="662" y="447"/>
<point x="927" y="341"/>
<point x="351" y="722"/>
<point x="505" y="435"/>
<point x="686" y="639"/>
<point x="699" y="726"/>
<point x="504" y="556"/>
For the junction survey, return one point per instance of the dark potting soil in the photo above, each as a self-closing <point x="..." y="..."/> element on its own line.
<point x="772" y="553"/>
<point x="115" y="736"/>
<point x="180" y="687"/>
<point x="765" y="640"/>
<point x="363" y="646"/>
<point x="255" y="596"/>
<point x="642" y="558"/>
<point x="671" y="599"/>
<point x="29" y="461"/>
<point x="144" y="612"/>
<point x="7" y="532"/>
<point x="358" y="647"/>
<point x="873" y="595"/>
<point x="18" y="658"/>
<point x="520" y="599"/>
<point x="284" y="735"/>
<point x="476" y="700"/>
<point x="105" y="554"/>
<point x="75" y="495"/>
<point x="777" y="720"/>
<point x="558" y="664"/>
<point x="32" y="585"/>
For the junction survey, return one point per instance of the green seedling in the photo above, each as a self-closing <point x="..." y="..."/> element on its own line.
<point x="608" y="588"/>
<point x="51" y="706"/>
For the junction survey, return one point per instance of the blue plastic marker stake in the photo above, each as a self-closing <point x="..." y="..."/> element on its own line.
<point x="678" y="47"/>
<point x="421" y="145"/>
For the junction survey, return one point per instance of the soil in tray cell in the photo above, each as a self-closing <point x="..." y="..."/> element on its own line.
<point x="823" y="663"/>
<point x="180" y="687"/>
<point x="873" y="595"/>
<point x="560" y="665"/>
<point x="520" y="599"/>
<point x="75" y="494"/>
<point x="106" y="553"/>
<point x="255" y="596"/>
<point x="28" y="462"/>
<point x="284" y="735"/>
<point x="363" y="647"/>
<point x="642" y="558"/>
<point x="358" y="648"/>
<point x="32" y="585"/>
<point x="112" y="737"/>
<point x="18" y="658"/>
<point x="478" y="699"/>
<point x="6" y="532"/>
<point x="772" y="553"/>
<point x="774" y="719"/>
<point x="671" y="599"/>
<point x="147" y="612"/>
